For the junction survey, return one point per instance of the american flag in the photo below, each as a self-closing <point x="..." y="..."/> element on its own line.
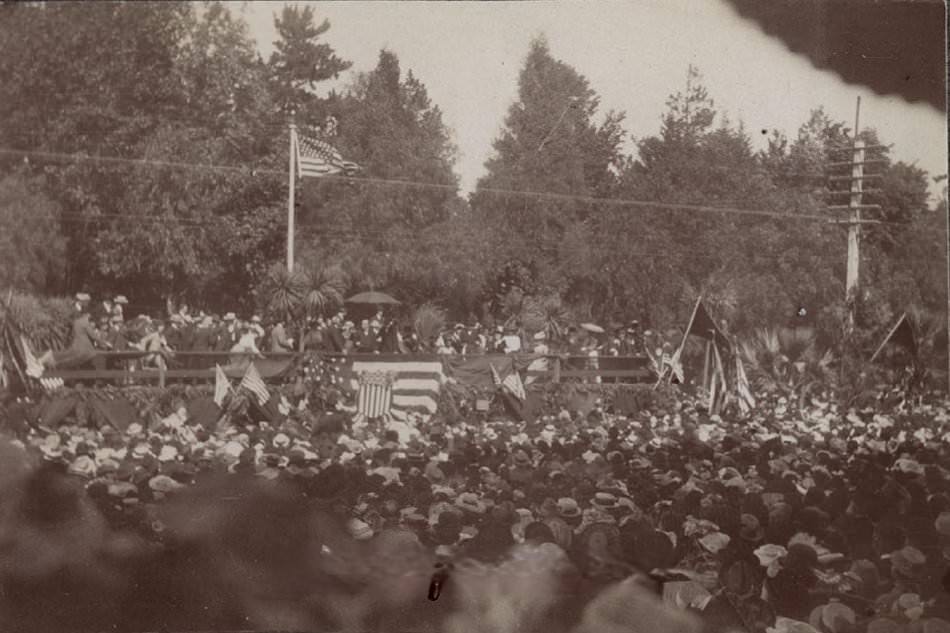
<point x="222" y="386"/>
<point x="746" y="399"/>
<point x="416" y="384"/>
<point x="253" y="382"/>
<point x="317" y="158"/>
<point x="375" y="396"/>
<point x="511" y="382"/>
<point x="35" y="369"/>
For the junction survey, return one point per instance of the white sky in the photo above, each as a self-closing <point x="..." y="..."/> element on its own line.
<point x="634" y="53"/>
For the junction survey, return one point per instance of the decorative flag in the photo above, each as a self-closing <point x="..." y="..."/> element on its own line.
<point x="375" y="396"/>
<point x="495" y="377"/>
<point x="701" y="324"/>
<point x="511" y="382"/>
<point x="901" y="334"/>
<point x="316" y="158"/>
<point x="35" y="369"/>
<point x="717" y="382"/>
<point x="676" y="368"/>
<point x="222" y="386"/>
<point x="746" y="399"/>
<point x="253" y="382"/>
<point x="416" y="384"/>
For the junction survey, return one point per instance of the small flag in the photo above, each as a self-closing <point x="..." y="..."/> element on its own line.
<point x="717" y="385"/>
<point x="512" y="382"/>
<point x="701" y="324"/>
<point x="495" y="378"/>
<point x="317" y="158"/>
<point x="375" y="396"/>
<point x="50" y="385"/>
<point x="253" y="382"/>
<point x="222" y="386"/>
<point x="676" y="368"/>
<point x="34" y="368"/>
<point x="746" y="399"/>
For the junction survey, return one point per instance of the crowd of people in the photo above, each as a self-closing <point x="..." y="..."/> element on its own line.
<point x="181" y="337"/>
<point x="816" y="508"/>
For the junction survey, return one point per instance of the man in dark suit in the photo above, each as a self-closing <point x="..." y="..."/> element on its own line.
<point x="203" y="341"/>
<point x="333" y="340"/>
<point x="226" y="334"/>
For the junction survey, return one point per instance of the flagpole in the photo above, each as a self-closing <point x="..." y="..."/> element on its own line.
<point x="290" y="197"/>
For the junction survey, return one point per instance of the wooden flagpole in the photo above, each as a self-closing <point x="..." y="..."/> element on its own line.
<point x="706" y="365"/>
<point x="290" y="197"/>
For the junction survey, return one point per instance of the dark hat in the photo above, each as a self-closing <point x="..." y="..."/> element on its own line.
<point x="751" y="528"/>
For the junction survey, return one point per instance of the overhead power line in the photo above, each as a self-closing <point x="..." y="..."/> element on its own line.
<point x="392" y="182"/>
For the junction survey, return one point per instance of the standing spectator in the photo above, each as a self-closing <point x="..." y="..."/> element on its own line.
<point x="365" y="339"/>
<point x="497" y="344"/>
<point x="115" y="335"/>
<point x="279" y="341"/>
<point x="156" y="346"/>
<point x="227" y="335"/>
<point x="204" y="340"/>
<point x="118" y="306"/>
<point x="511" y="341"/>
<point x="540" y="344"/>
<point x="389" y="338"/>
<point x="334" y="341"/>
<point x="245" y="350"/>
<point x="82" y="349"/>
<point x="349" y="344"/>
<point x="315" y="335"/>
<point x="104" y="309"/>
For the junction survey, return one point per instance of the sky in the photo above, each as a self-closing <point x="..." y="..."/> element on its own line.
<point x="634" y="53"/>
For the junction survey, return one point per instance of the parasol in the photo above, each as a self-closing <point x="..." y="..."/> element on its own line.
<point x="590" y="327"/>
<point x="372" y="298"/>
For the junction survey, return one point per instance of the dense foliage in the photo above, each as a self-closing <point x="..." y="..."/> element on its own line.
<point x="182" y="84"/>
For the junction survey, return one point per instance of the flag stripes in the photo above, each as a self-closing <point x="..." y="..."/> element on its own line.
<point x="35" y="369"/>
<point x="746" y="399"/>
<point x="317" y="158"/>
<point x="375" y="396"/>
<point x="253" y="382"/>
<point x="415" y="385"/>
<point x="512" y="382"/>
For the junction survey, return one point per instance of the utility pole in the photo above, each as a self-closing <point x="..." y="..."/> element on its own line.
<point x="854" y="207"/>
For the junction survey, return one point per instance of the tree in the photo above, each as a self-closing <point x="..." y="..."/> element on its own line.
<point x="31" y="245"/>
<point x="389" y="126"/>
<point x="300" y="61"/>
<point x="165" y="229"/>
<point x="550" y="144"/>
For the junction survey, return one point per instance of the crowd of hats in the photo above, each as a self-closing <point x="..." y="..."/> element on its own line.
<point x="838" y="519"/>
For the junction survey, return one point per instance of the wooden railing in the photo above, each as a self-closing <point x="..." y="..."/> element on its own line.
<point x="199" y="367"/>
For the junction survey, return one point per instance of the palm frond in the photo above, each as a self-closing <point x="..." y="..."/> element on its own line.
<point x="324" y="289"/>
<point x="546" y="314"/>
<point x="284" y="290"/>
<point x="429" y="320"/>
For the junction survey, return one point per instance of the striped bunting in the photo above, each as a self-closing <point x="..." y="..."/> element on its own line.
<point x="416" y="384"/>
